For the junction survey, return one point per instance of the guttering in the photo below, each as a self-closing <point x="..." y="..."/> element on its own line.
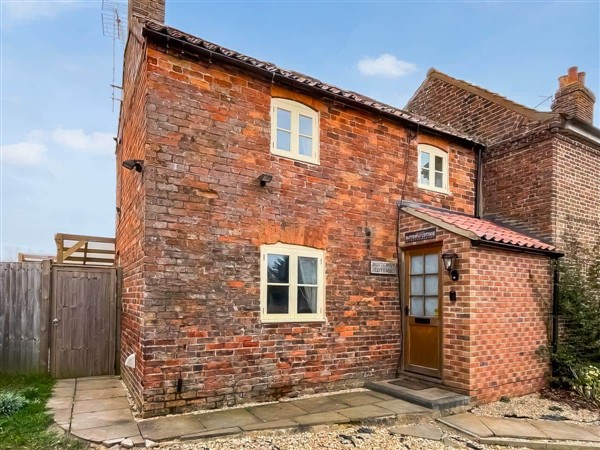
<point x="196" y="50"/>
<point x="574" y="127"/>
<point x="555" y="314"/>
<point x="516" y="248"/>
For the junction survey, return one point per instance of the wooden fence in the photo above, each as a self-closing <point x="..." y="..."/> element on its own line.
<point x="69" y="312"/>
<point x="24" y="309"/>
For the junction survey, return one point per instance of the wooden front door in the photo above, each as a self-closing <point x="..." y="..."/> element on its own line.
<point x="83" y="321"/>
<point x="422" y="308"/>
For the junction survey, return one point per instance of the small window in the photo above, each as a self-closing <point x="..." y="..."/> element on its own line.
<point x="433" y="168"/>
<point x="292" y="284"/>
<point x="294" y="130"/>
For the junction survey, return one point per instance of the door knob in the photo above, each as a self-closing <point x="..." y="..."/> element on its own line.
<point x="55" y="322"/>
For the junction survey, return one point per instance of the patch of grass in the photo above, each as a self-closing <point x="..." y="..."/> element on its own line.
<point x="29" y="427"/>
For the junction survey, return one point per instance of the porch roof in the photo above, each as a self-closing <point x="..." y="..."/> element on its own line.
<point x="481" y="230"/>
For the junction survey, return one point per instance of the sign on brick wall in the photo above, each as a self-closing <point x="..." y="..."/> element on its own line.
<point x="383" y="268"/>
<point x="422" y="235"/>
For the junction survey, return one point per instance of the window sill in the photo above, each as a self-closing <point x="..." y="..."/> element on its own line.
<point x="291" y="320"/>
<point x="434" y="189"/>
<point x="288" y="155"/>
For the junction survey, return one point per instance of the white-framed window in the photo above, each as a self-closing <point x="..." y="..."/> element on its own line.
<point x="292" y="283"/>
<point x="433" y="168"/>
<point x="294" y="130"/>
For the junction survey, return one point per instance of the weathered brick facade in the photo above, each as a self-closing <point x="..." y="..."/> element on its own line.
<point x="192" y="222"/>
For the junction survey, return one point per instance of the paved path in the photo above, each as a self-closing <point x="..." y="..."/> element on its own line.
<point x="97" y="410"/>
<point x="524" y="432"/>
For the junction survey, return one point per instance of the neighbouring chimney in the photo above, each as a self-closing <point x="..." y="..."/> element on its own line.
<point x="573" y="97"/>
<point x="147" y="9"/>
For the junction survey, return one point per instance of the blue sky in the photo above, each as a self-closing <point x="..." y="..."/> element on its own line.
<point x="58" y="165"/>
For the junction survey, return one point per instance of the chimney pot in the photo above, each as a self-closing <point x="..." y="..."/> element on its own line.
<point x="573" y="97"/>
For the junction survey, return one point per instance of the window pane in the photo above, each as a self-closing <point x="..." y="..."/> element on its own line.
<point x="431" y="263"/>
<point x="284" y="119"/>
<point x="424" y="168"/>
<point x="307" y="300"/>
<point x="416" y="285"/>
<point x="439" y="180"/>
<point x="431" y="285"/>
<point x="439" y="163"/>
<point x="431" y="306"/>
<point x="305" y="146"/>
<point x="416" y="265"/>
<point x="416" y="306"/>
<point x="305" y="125"/>
<point x="284" y="140"/>
<point x="278" y="269"/>
<point x="307" y="270"/>
<point x="278" y="299"/>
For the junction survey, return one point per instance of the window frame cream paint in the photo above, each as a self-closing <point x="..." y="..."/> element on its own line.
<point x="293" y="251"/>
<point x="296" y="109"/>
<point x="433" y="152"/>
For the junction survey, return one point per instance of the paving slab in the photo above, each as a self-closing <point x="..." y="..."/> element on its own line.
<point x="430" y="432"/>
<point x="469" y="423"/>
<point x="102" y="419"/>
<point x="67" y="391"/>
<point x="67" y="382"/>
<point x="516" y="428"/>
<point x="94" y="394"/>
<point x="213" y="433"/>
<point x="365" y="412"/>
<point x="170" y="427"/>
<point x="105" y="433"/>
<point x="56" y="403"/>
<point x="382" y="396"/>
<point x="318" y="404"/>
<point x="283" y="423"/>
<point x="105" y="404"/>
<point x="435" y="393"/>
<point x="227" y="419"/>
<point x="321" y="418"/>
<point x="564" y="431"/>
<point x="84" y="384"/>
<point x="276" y="411"/>
<point x="522" y="443"/>
<point x="62" y="415"/>
<point x="402" y="407"/>
<point x="355" y="398"/>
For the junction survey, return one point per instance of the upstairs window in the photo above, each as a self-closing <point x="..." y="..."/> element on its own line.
<point x="294" y="130"/>
<point x="292" y="284"/>
<point x="433" y="168"/>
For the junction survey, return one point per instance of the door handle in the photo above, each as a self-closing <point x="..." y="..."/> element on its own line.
<point x="55" y="322"/>
<point x="406" y="310"/>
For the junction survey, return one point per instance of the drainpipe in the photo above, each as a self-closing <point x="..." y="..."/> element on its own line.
<point x="555" y="312"/>
<point x="478" y="183"/>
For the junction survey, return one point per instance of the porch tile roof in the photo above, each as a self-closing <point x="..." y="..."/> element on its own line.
<point x="477" y="229"/>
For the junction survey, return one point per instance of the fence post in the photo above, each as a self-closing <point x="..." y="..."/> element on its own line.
<point x="45" y="315"/>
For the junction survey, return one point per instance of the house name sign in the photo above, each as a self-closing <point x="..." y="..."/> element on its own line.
<point x="416" y="236"/>
<point x="383" y="268"/>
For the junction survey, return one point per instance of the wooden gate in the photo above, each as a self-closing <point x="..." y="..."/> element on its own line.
<point x="83" y="321"/>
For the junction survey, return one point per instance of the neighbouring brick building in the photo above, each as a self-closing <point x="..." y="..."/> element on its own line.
<point x="540" y="169"/>
<point x="259" y="230"/>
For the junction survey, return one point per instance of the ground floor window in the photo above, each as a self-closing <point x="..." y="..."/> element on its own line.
<point x="292" y="283"/>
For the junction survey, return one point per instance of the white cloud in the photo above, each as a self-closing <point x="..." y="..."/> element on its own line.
<point x="79" y="140"/>
<point x="30" y="10"/>
<point x="23" y="153"/>
<point x="386" y="65"/>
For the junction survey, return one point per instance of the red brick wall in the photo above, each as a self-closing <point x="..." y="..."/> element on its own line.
<point x="492" y="335"/>
<point x="130" y="222"/>
<point x="577" y="186"/>
<point x="206" y="217"/>
<point x="518" y="187"/>
<point x="466" y="111"/>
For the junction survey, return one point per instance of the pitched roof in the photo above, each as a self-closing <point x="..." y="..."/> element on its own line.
<point x="201" y="46"/>
<point x="526" y="111"/>
<point x="476" y="229"/>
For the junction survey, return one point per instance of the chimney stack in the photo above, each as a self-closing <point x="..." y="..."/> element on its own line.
<point x="573" y="97"/>
<point x="146" y="10"/>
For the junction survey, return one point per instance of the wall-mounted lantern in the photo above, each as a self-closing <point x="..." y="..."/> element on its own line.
<point x="132" y="164"/>
<point x="264" y="179"/>
<point x="449" y="260"/>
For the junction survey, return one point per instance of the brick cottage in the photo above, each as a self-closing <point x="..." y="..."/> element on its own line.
<point x="281" y="236"/>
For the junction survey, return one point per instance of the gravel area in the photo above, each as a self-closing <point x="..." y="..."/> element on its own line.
<point x="340" y="437"/>
<point x="533" y="406"/>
